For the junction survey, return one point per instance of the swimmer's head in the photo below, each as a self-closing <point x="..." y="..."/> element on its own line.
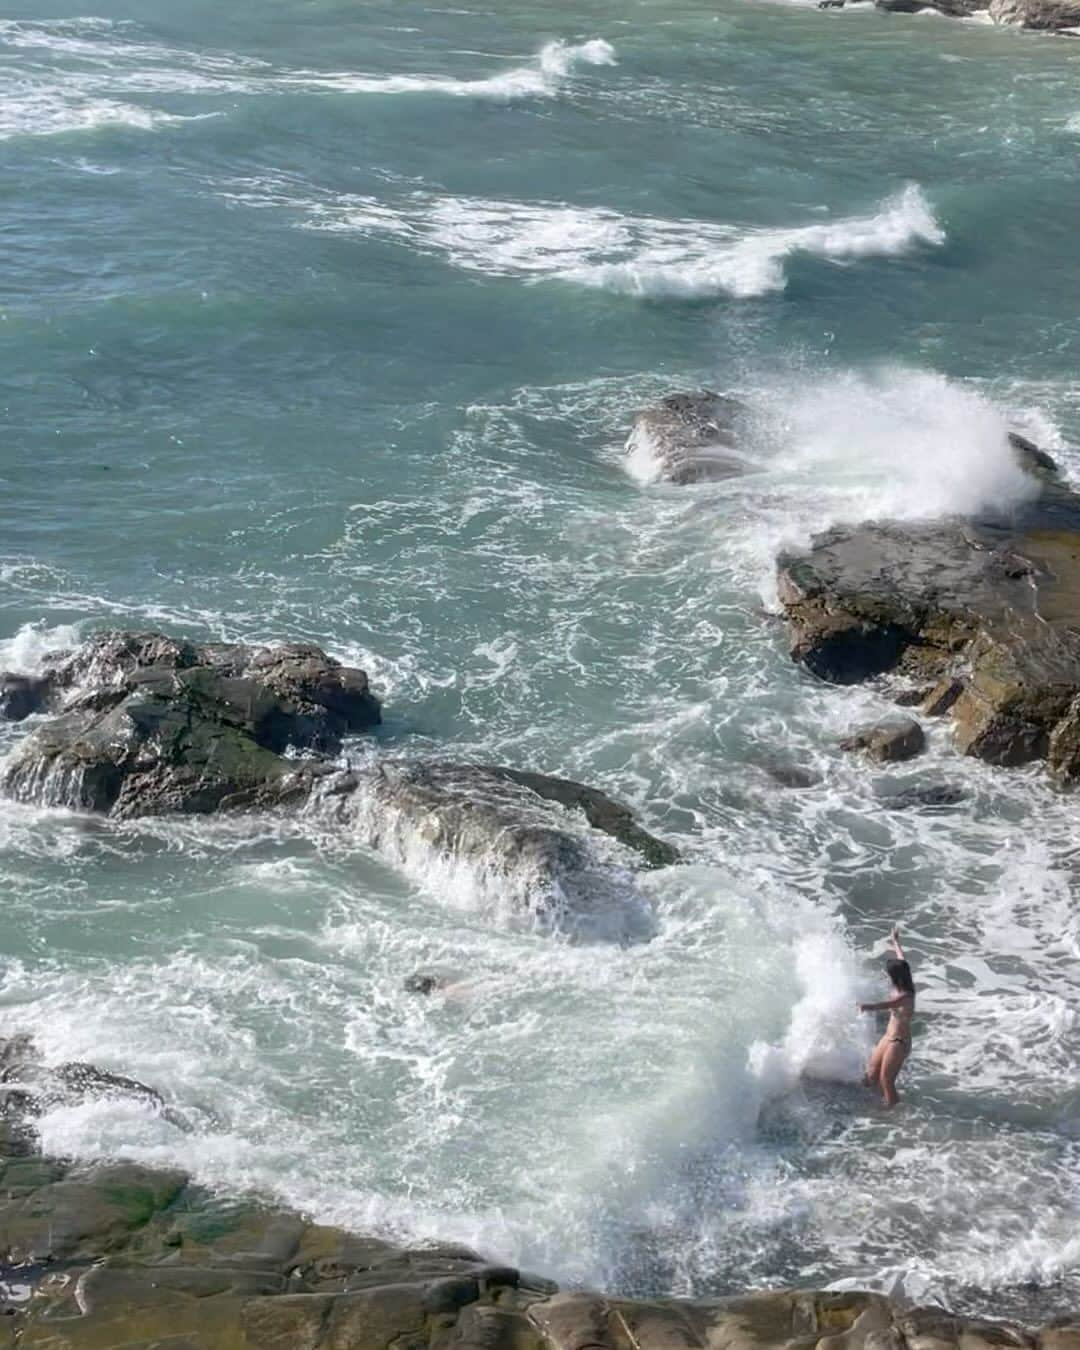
<point x="900" y="974"/>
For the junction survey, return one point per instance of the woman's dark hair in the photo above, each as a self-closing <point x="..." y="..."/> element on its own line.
<point x="900" y="974"/>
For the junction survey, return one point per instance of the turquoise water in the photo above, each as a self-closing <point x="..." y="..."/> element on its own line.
<point x="328" y="321"/>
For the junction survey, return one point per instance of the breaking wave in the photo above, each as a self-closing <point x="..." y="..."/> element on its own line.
<point x="596" y="247"/>
<point x="104" y="64"/>
<point x="542" y="78"/>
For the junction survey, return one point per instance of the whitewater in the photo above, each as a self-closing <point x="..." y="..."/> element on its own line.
<point x="331" y="325"/>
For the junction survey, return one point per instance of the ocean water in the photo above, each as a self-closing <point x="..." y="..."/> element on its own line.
<point x="326" y="320"/>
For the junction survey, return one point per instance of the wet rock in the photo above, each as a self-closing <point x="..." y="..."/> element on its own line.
<point x="149" y="724"/>
<point x="601" y="811"/>
<point x="929" y="795"/>
<point x="514" y="832"/>
<point x="688" y="438"/>
<point x="952" y="8"/>
<point x="21" y="695"/>
<point x="1047" y="15"/>
<point x="986" y="610"/>
<point x="792" y="775"/>
<point x="118" y="1255"/>
<point x="942" y="696"/>
<point x="29" y="1087"/>
<point x="888" y="742"/>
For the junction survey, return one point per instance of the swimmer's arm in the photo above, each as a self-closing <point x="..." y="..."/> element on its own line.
<point x="894" y="938"/>
<point x="887" y="1006"/>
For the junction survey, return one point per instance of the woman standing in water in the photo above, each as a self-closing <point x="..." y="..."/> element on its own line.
<point x="894" y="1047"/>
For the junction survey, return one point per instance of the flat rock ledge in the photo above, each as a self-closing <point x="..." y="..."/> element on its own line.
<point x="96" y="1256"/>
<point x="982" y="615"/>
<point x="118" y="1255"/>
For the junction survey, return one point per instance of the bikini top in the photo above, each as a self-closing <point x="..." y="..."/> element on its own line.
<point x="902" y="1014"/>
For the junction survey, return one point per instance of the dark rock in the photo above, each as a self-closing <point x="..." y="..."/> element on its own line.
<point x="688" y="438"/>
<point x="29" y="1087"/>
<point x="953" y="8"/>
<point x="942" y="696"/>
<point x="1032" y="458"/>
<point x="601" y="811"/>
<point x="792" y="775"/>
<point x="888" y="742"/>
<point x="931" y="795"/>
<point x="151" y="725"/>
<point x="911" y="697"/>
<point x="986" y="610"/>
<point x="21" y="695"/>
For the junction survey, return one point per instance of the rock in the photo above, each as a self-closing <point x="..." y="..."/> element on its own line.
<point x="29" y="1087"/>
<point x="792" y="775"/>
<point x="985" y="610"/>
<point x="149" y="725"/>
<point x="21" y="695"/>
<point x="952" y="8"/>
<point x="1048" y="15"/>
<point x="888" y="742"/>
<point x="601" y="811"/>
<point x="687" y="438"/>
<point x="911" y="696"/>
<point x="103" y="1256"/>
<point x="510" y="835"/>
<point x="930" y="795"/>
<point x="942" y="696"/>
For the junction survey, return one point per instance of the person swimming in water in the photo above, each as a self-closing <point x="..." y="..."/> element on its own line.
<point x="894" y="1047"/>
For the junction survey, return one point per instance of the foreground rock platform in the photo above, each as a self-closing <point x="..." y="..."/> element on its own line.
<point x="981" y="615"/>
<point x="94" y="1257"/>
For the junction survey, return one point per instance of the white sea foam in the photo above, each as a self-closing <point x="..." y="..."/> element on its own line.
<point x="896" y="442"/>
<point x="32" y="108"/>
<point x="543" y="78"/>
<point x="596" y="247"/>
<point x="103" y="59"/>
<point x="28" y="650"/>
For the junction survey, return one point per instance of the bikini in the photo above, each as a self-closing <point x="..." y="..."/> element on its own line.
<point x="903" y="1021"/>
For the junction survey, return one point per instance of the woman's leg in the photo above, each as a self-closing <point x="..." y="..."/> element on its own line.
<point x="873" y="1066"/>
<point x="892" y="1061"/>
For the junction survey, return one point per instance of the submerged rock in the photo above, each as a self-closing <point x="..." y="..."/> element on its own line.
<point x="148" y="724"/>
<point x="986" y="610"/>
<point x="510" y="836"/>
<point x="929" y="795"/>
<point x="687" y="438"/>
<point x="29" y="1087"/>
<point x="888" y="742"/>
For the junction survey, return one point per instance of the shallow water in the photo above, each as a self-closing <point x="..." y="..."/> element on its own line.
<point x="328" y="321"/>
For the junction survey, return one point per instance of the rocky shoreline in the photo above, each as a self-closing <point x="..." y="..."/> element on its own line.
<point x="101" y="1255"/>
<point x="1046" y="16"/>
<point x="972" y="619"/>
